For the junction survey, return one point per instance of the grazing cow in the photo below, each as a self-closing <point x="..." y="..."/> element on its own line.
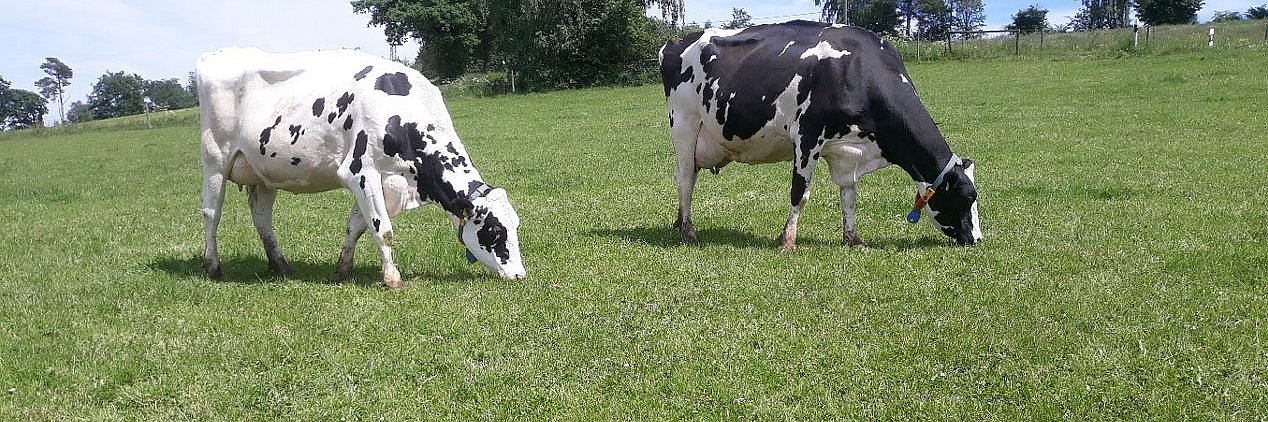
<point x="800" y="91"/>
<point x="316" y="121"/>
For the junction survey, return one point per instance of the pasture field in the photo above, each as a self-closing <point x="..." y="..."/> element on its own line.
<point x="1123" y="275"/>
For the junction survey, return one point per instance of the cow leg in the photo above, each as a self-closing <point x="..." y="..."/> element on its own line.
<point x="213" y="198"/>
<point x="804" y="162"/>
<point x="367" y="187"/>
<point x="685" y="173"/>
<point x="261" y="201"/>
<point x="356" y="227"/>
<point x="844" y="174"/>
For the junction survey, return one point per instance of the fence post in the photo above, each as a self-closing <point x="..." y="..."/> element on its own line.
<point x="1135" y="35"/>
<point x="948" y="42"/>
<point x="917" y="48"/>
<point x="1041" y="32"/>
<point x="1266" y="32"/>
<point x="1210" y="38"/>
<point x="1017" y="44"/>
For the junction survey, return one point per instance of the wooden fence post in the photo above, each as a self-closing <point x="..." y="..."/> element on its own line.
<point x="1017" y="44"/>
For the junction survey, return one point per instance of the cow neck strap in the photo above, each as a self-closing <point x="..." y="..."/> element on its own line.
<point x="922" y="198"/>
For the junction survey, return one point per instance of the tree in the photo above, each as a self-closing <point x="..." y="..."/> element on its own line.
<point x="1102" y="14"/>
<point x="462" y="35"/>
<point x="1226" y="16"/>
<point x="80" y="113"/>
<point x="879" y="16"/>
<point x="1168" y="12"/>
<point x="116" y="95"/>
<point x="193" y="86"/>
<point x="19" y="108"/>
<point x="739" y="19"/>
<point x="54" y="85"/>
<point x="1258" y="12"/>
<point x="934" y="19"/>
<point x="168" y="94"/>
<point x="907" y="10"/>
<point x="968" y="15"/>
<point x="1029" y="20"/>
<point x="834" y="11"/>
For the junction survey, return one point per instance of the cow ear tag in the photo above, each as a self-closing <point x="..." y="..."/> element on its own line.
<point x="470" y="258"/>
<point x="914" y="215"/>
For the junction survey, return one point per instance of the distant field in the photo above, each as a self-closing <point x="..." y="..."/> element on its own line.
<point x="1123" y="275"/>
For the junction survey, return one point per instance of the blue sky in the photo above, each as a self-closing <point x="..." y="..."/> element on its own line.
<point x="161" y="39"/>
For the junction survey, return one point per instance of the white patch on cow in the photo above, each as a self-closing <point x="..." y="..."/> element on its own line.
<point x="790" y="44"/>
<point x="904" y="78"/>
<point x="823" y="50"/>
<point x="977" y="223"/>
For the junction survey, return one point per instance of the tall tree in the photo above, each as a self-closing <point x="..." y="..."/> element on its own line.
<point x="739" y="19"/>
<point x="1226" y="16"/>
<point x="907" y="10"/>
<point x="1029" y="20"/>
<point x="117" y="94"/>
<point x="54" y="85"/>
<point x="1168" y="12"/>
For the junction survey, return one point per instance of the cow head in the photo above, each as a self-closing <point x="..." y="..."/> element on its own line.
<point x="490" y="232"/>
<point x="954" y="205"/>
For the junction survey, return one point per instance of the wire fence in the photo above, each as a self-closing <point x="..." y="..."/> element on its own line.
<point x="1115" y="42"/>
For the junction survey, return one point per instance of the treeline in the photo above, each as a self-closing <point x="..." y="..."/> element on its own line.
<point x="537" y="44"/>
<point x="115" y="94"/>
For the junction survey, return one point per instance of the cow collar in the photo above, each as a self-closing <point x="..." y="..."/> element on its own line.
<point x="484" y="189"/>
<point x="922" y="198"/>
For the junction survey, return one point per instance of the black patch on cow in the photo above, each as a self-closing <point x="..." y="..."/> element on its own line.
<point x="358" y="149"/>
<point x="393" y="83"/>
<point x="376" y="224"/>
<point x="362" y="183"/>
<point x="687" y="75"/>
<point x="492" y="237"/>
<point x="319" y="106"/>
<point x="295" y="161"/>
<point x="671" y="61"/>
<point x="343" y="101"/>
<point x="267" y="134"/>
<point x="273" y="155"/>
<point x="798" y="187"/>
<point x="400" y="139"/>
<point x="361" y="75"/>
<point x="330" y="118"/>
<point x="404" y="140"/>
<point x="295" y="129"/>
<point x="347" y="124"/>
<point x="431" y="127"/>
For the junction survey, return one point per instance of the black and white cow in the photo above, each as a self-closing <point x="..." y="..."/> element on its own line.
<point x="317" y="121"/>
<point x="800" y="91"/>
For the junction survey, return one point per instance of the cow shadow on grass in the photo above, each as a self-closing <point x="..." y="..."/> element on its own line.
<point x="666" y="237"/>
<point x="246" y="269"/>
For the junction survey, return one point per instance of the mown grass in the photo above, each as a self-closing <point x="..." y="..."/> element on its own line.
<point x="1122" y="277"/>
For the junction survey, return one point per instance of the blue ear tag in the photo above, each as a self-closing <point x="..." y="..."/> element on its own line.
<point x="913" y="216"/>
<point x="470" y="258"/>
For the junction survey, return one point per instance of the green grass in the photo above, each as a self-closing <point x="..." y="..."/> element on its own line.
<point x="1122" y="277"/>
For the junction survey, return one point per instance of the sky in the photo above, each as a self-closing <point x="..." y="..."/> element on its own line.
<point x="161" y="39"/>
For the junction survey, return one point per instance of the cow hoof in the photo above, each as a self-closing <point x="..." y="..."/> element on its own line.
<point x="853" y="240"/>
<point x="281" y="269"/>
<point x="394" y="286"/>
<point x="786" y="244"/>
<point x="392" y="280"/>
<point x="686" y="230"/>
<point x="213" y="271"/>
